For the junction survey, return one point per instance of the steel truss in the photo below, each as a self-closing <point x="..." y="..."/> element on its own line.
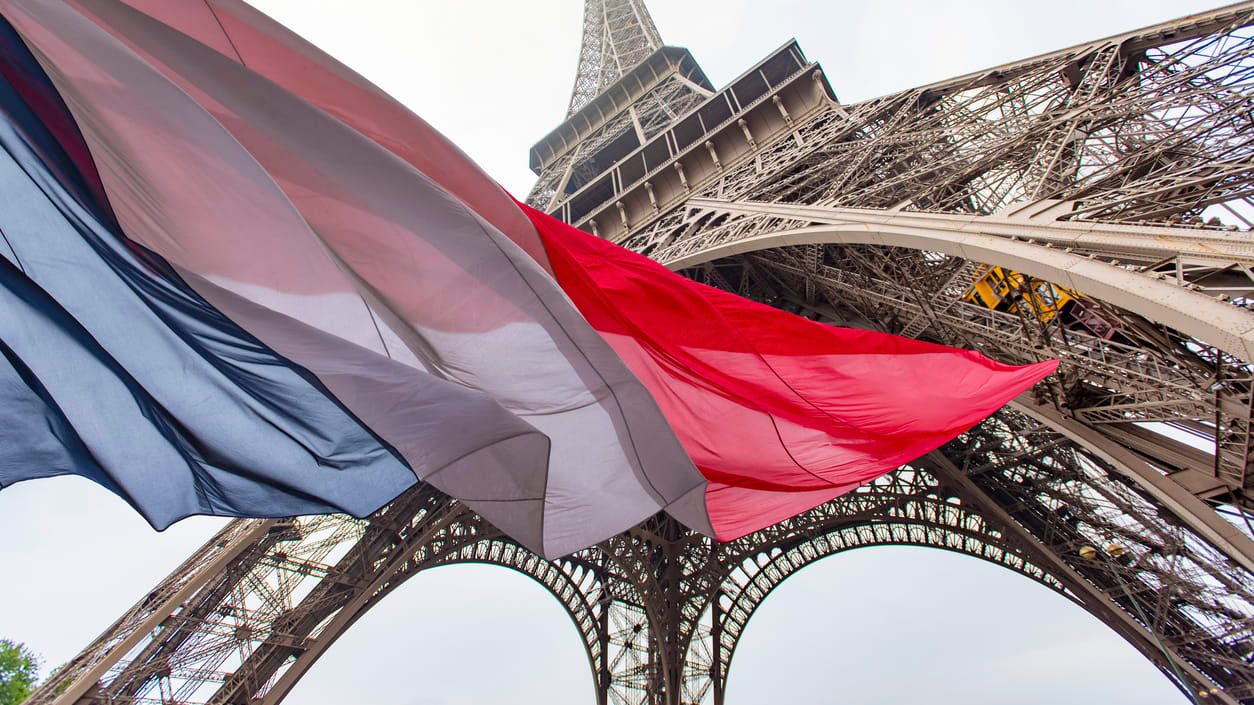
<point x="1121" y="169"/>
<point x="617" y="35"/>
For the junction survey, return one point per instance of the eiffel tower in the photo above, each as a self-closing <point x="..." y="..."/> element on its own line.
<point x="1092" y="204"/>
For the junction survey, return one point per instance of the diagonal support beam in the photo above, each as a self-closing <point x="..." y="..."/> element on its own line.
<point x="1199" y="517"/>
<point x="1096" y="601"/>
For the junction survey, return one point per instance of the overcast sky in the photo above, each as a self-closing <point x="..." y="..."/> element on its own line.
<point x="879" y="626"/>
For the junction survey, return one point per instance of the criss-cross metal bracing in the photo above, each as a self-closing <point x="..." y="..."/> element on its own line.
<point x="267" y="598"/>
<point x="1120" y="171"/>
<point x="617" y="35"/>
<point x="660" y="610"/>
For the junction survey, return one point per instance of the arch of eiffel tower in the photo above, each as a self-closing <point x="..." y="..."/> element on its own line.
<point x="1120" y="171"/>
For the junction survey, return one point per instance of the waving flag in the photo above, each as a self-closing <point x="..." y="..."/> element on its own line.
<point x="239" y="279"/>
<point x="780" y="413"/>
<point x="398" y="306"/>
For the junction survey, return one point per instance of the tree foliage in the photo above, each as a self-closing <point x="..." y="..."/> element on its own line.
<point x="19" y="669"/>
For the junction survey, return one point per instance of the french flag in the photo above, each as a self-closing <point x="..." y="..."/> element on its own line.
<point x="238" y="279"/>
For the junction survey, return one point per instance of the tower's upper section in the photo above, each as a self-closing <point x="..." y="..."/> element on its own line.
<point x="646" y="125"/>
<point x="617" y="35"/>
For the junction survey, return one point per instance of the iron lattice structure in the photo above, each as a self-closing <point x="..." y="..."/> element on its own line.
<point x="1120" y="170"/>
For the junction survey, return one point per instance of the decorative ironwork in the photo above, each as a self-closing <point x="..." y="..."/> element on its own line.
<point x="1118" y="172"/>
<point x="617" y="35"/>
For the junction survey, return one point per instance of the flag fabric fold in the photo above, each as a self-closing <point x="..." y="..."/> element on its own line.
<point x="110" y="363"/>
<point x="353" y="265"/>
<point x="780" y="413"/>
<point x="301" y="298"/>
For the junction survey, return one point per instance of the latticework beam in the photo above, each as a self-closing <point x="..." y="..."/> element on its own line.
<point x="617" y="35"/>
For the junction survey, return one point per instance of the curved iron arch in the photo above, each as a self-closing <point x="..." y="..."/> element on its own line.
<point x="577" y="586"/>
<point x="469" y="540"/>
<point x="731" y="232"/>
<point x="1200" y="316"/>
<point x="910" y="508"/>
<point x="737" y="607"/>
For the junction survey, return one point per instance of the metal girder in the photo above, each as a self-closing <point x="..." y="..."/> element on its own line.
<point x="1097" y="601"/>
<point x="1202" y="519"/>
<point x="644" y="602"/>
<point x="949" y="171"/>
<point x="72" y="681"/>
<point x="1102" y="168"/>
<point x="1002" y="242"/>
<point x="617" y="35"/>
<point x="1035" y="223"/>
<point x="1024" y="245"/>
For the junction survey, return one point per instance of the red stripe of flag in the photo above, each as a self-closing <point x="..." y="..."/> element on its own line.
<point x="780" y="413"/>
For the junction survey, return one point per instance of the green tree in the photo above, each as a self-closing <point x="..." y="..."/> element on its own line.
<point x="19" y="668"/>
